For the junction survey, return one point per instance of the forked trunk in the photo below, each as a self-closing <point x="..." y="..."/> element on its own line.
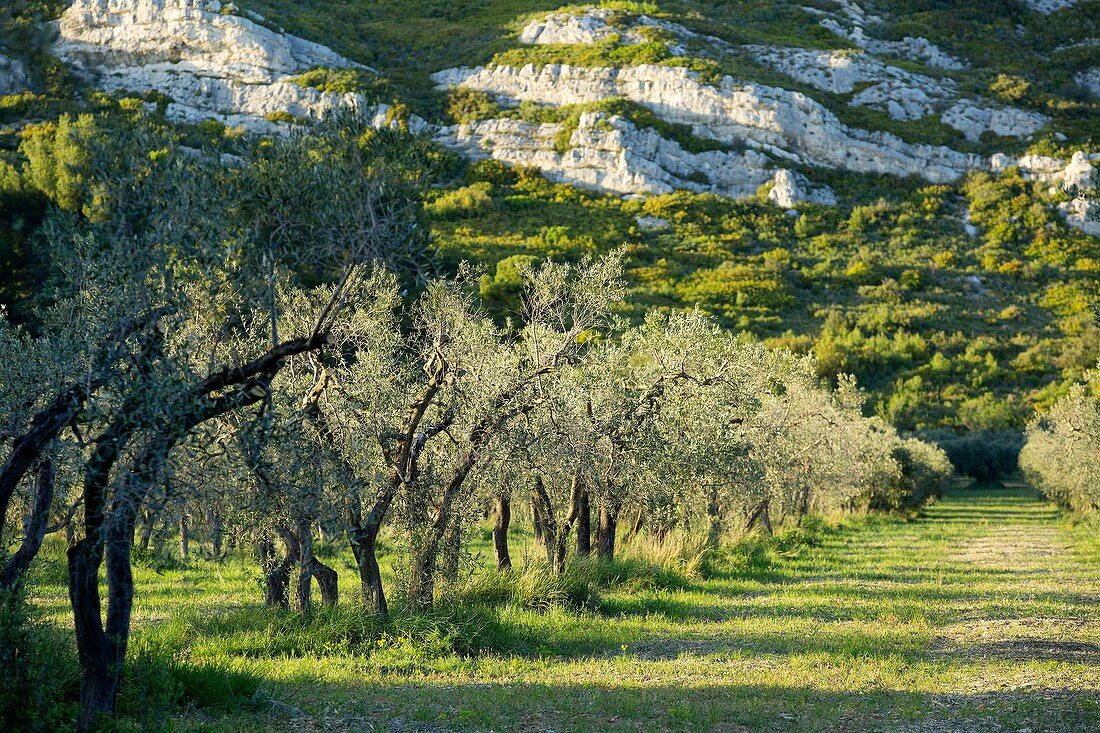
<point x="759" y="516"/>
<point x="327" y="581"/>
<point x="34" y="528"/>
<point x="363" y="541"/>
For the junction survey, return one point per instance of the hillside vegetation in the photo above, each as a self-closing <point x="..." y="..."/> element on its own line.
<point x="949" y="323"/>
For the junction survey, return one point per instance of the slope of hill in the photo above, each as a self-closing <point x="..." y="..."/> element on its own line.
<point x="878" y="182"/>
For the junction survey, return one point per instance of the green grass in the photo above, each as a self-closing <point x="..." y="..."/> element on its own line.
<point x="980" y="613"/>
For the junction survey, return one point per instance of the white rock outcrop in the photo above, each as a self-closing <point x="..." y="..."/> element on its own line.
<point x="1046" y="7"/>
<point x="13" y="76"/>
<point x="789" y="189"/>
<point x="841" y="72"/>
<point x="851" y="23"/>
<point x="972" y="119"/>
<point x="609" y="153"/>
<point x="1090" y="79"/>
<point x="653" y="223"/>
<point x="211" y="64"/>
<point x="1079" y="171"/>
<point x="590" y="26"/>
<point x="786" y="125"/>
<point x="903" y="94"/>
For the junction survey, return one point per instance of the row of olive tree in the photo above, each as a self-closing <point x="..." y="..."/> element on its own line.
<point x="1059" y="457"/>
<point x="182" y="287"/>
<point x="417" y="416"/>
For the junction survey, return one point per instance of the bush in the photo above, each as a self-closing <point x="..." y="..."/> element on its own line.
<point x="40" y="679"/>
<point x="471" y="105"/>
<point x="463" y="202"/>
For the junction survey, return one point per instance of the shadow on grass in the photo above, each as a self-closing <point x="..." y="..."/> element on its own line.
<point x="632" y="705"/>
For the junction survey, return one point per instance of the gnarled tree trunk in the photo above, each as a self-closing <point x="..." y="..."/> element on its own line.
<point x="276" y="572"/>
<point x="34" y="527"/>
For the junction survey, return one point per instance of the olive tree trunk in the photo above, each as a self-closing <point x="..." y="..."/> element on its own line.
<point x="500" y="532"/>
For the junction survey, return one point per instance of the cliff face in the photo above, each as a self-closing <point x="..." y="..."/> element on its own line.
<point x="783" y="128"/>
<point x="209" y="61"/>
<point x="785" y="125"/>
<point x="213" y="62"/>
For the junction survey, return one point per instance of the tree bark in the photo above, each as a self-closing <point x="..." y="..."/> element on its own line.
<point x="500" y="532"/>
<point x="759" y="515"/>
<point x="635" y="526"/>
<point x="327" y="582"/>
<point x="537" y="521"/>
<point x="185" y="539"/>
<point x="276" y="574"/>
<point x="714" y="519"/>
<point x="584" y="524"/>
<point x="217" y="532"/>
<point x="364" y="541"/>
<point x="304" y="585"/>
<point x="34" y="528"/>
<point x="605" y="532"/>
<point x="452" y="552"/>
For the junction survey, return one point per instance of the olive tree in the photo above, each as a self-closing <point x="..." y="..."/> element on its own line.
<point x="166" y="316"/>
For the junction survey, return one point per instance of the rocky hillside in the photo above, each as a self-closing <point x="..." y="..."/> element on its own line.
<point x="892" y="172"/>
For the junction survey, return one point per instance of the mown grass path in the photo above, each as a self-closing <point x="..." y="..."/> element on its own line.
<point x="981" y="615"/>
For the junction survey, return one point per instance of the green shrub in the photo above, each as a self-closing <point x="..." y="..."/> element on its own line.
<point x="39" y="686"/>
<point x="470" y="105"/>
<point x="463" y="202"/>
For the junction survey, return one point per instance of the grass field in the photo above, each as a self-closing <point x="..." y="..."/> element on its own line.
<point x="983" y="614"/>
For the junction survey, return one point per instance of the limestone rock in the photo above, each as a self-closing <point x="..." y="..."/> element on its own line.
<point x="590" y="26"/>
<point x="789" y="189"/>
<point x="1082" y="215"/>
<point x="841" y="72"/>
<point x="1090" y="80"/>
<point x="974" y="118"/>
<point x="852" y="21"/>
<point x="13" y="76"/>
<point x="787" y="125"/>
<point x="609" y="153"/>
<point x="1078" y="171"/>
<point x="1046" y="7"/>
<point x="653" y="223"/>
<point x="211" y="64"/>
<point x="968" y="226"/>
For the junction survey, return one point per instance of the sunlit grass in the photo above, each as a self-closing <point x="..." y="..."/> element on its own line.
<point x="985" y="609"/>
